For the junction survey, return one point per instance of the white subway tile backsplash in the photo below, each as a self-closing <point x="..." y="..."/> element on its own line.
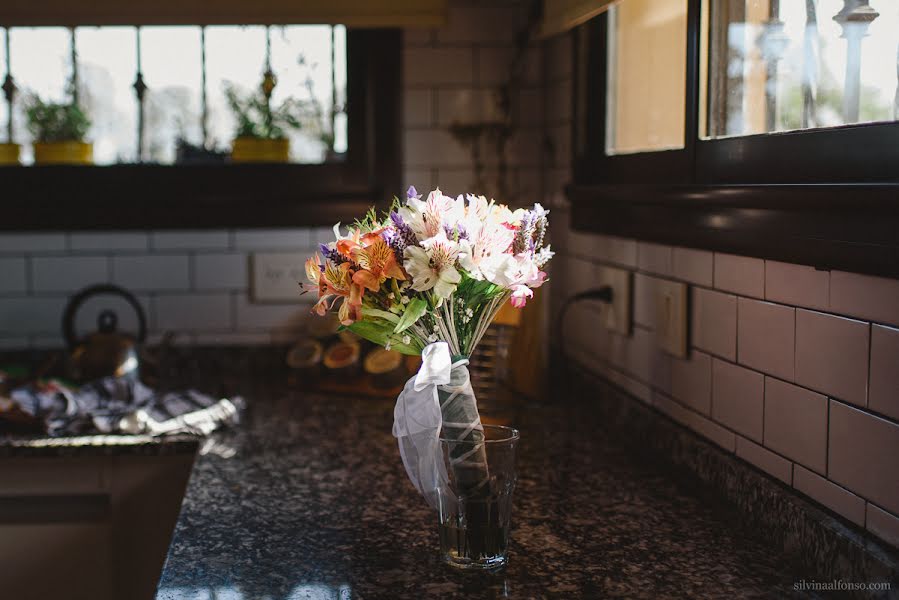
<point x="102" y="241"/>
<point x="12" y="275"/>
<point x="193" y="312"/>
<point x="558" y="99"/>
<point x="559" y="57"/>
<point x="419" y="37"/>
<point x="765" y="460"/>
<point x="528" y="103"/>
<point x="251" y="316"/>
<point x="798" y="285"/>
<point x="874" y="298"/>
<point x="493" y="66"/>
<point x="882" y="524"/>
<point x="32" y="243"/>
<point x="796" y="423"/>
<point x="151" y="272"/>
<point x="273" y="239"/>
<point x="434" y="148"/>
<point x="654" y="258"/>
<point x="620" y="251"/>
<point x="48" y="342"/>
<point x="323" y="235"/>
<point x="190" y="240"/>
<point x="704" y="427"/>
<point x="418" y="108"/>
<point x="644" y="300"/>
<point x="438" y="66"/>
<point x="232" y="339"/>
<point x="837" y="499"/>
<point x="27" y="316"/>
<point x="455" y="180"/>
<point x="524" y="148"/>
<point x="557" y="145"/>
<point x="737" y="398"/>
<point x="634" y="387"/>
<point x="67" y="273"/>
<point x="474" y="23"/>
<point x="714" y="322"/>
<point x="883" y="391"/>
<point x="832" y="355"/>
<point x="863" y="451"/>
<point x="695" y="266"/>
<point x="766" y="337"/>
<point x="221" y="271"/>
<point x="740" y="275"/>
<point x="419" y="177"/>
<point x="642" y="358"/>
<point x="14" y="343"/>
<point x="465" y="106"/>
<point x="691" y="381"/>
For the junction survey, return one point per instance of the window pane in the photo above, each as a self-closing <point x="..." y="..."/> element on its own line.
<point x="782" y="65"/>
<point x="41" y="65"/>
<point x="107" y="65"/>
<point x="236" y="56"/>
<point x="173" y="73"/>
<point x="4" y="112"/>
<point x="301" y="58"/>
<point x="646" y="75"/>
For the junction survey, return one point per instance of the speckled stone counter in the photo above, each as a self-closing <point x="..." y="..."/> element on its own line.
<point x="308" y="499"/>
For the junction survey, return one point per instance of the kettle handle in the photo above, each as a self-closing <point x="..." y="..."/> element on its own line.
<point x="75" y="302"/>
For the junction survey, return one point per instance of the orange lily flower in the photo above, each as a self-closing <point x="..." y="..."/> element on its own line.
<point x="377" y="262"/>
<point x="333" y="283"/>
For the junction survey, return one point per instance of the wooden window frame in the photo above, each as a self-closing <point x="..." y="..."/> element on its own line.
<point x="827" y="198"/>
<point x="150" y="196"/>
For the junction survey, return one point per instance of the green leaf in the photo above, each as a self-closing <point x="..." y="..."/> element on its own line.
<point x="380" y="334"/>
<point x="382" y="314"/>
<point x="414" y="310"/>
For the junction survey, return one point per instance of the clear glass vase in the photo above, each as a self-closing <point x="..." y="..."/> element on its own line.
<point x="474" y="508"/>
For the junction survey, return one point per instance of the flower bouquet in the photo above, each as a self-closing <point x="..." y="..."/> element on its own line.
<point x="427" y="279"/>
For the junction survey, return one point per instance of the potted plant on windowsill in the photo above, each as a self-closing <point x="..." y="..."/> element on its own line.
<point x="59" y="129"/>
<point x="9" y="153"/>
<point x="261" y="134"/>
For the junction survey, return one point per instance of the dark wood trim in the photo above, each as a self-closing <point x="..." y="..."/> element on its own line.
<point x="843" y="227"/>
<point x="864" y="153"/>
<point x="148" y="196"/>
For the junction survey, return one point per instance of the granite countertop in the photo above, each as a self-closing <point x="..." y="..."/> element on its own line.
<point x="308" y="499"/>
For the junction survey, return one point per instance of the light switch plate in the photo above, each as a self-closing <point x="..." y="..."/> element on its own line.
<point x="617" y="315"/>
<point x="276" y="276"/>
<point x="671" y="317"/>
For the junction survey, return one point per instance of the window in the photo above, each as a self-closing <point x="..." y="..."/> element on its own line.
<point x="789" y="65"/>
<point x="780" y="140"/>
<point x="646" y="76"/>
<point x="185" y="69"/>
<point x="345" y="158"/>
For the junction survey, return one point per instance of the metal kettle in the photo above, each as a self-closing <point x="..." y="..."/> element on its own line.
<point x="106" y="352"/>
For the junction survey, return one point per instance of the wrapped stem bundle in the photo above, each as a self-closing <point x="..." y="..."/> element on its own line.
<point x="428" y="278"/>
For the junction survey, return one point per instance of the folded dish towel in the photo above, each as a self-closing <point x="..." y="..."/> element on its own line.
<point x="124" y="405"/>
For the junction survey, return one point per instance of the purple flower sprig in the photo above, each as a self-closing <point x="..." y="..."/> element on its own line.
<point x="331" y="254"/>
<point x="403" y="236"/>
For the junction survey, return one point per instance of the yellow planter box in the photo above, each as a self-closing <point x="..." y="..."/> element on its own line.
<point x="260" y="150"/>
<point x="63" y="153"/>
<point x="9" y="154"/>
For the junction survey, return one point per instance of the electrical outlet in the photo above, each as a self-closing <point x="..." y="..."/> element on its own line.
<point x="275" y="276"/>
<point x="617" y="315"/>
<point x="671" y="317"/>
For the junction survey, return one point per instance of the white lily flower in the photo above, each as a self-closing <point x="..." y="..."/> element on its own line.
<point x="433" y="265"/>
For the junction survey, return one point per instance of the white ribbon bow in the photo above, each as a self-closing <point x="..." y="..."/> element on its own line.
<point x="417" y="421"/>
